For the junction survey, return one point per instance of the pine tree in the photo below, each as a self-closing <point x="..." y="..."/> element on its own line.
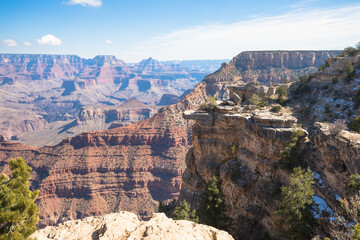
<point x="183" y="212"/>
<point x="296" y="205"/>
<point x="212" y="206"/>
<point x="18" y="212"/>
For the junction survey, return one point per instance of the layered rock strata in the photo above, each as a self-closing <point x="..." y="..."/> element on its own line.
<point x="241" y="146"/>
<point x="132" y="167"/>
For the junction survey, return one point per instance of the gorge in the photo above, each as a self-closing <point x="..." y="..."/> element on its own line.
<point x="133" y="167"/>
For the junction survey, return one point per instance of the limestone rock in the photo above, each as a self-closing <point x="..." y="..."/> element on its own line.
<point x="126" y="225"/>
<point x="108" y="227"/>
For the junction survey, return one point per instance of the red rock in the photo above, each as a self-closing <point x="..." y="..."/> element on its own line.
<point x="128" y="168"/>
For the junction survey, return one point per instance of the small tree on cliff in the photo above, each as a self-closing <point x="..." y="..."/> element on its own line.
<point x="212" y="206"/>
<point x="296" y="205"/>
<point x="18" y="212"/>
<point x="183" y="212"/>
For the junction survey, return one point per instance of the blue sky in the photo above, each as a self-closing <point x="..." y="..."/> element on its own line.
<point x="168" y="29"/>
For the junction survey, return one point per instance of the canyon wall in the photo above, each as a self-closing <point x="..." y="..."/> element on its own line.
<point x="241" y="145"/>
<point x="127" y="168"/>
<point x="56" y="88"/>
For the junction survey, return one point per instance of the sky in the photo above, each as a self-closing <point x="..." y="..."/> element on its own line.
<point x="182" y="29"/>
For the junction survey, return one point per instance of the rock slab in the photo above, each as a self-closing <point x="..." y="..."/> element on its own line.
<point x="126" y="225"/>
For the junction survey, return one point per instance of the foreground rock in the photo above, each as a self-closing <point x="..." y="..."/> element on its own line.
<point x="126" y="225"/>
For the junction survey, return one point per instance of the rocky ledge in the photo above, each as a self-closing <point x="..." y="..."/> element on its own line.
<point x="126" y="225"/>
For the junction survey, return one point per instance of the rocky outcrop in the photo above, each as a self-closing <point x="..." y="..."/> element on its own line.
<point x="268" y="67"/>
<point x="125" y="225"/>
<point x="241" y="146"/>
<point x="168" y="99"/>
<point x="129" y="112"/>
<point x="282" y="59"/>
<point x="38" y="66"/>
<point x="17" y="122"/>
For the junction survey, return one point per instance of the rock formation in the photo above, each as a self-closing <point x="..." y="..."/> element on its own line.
<point x="125" y="225"/>
<point x="241" y="146"/>
<point x="55" y="88"/>
<point x="128" y="168"/>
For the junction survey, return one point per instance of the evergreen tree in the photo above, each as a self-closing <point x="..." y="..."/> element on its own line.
<point x="18" y="212"/>
<point x="183" y="212"/>
<point x="212" y="206"/>
<point x="296" y="205"/>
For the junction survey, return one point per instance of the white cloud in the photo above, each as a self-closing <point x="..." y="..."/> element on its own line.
<point x="92" y="3"/>
<point x="108" y="41"/>
<point x="9" y="43"/>
<point x="50" y="40"/>
<point x="28" y="44"/>
<point x="317" y="29"/>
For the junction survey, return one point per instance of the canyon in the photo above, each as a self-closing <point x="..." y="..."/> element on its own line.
<point x="133" y="167"/>
<point x="40" y="93"/>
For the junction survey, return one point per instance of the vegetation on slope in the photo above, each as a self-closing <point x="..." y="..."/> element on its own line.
<point x="18" y="212"/>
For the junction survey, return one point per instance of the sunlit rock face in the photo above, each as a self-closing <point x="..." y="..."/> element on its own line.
<point x="133" y="167"/>
<point x="126" y="225"/>
<point x="241" y="145"/>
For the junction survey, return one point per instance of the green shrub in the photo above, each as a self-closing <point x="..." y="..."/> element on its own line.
<point x="327" y="108"/>
<point x="183" y="212"/>
<point x="325" y="65"/>
<point x="349" y="72"/>
<point x="305" y="111"/>
<point x="303" y="86"/>
<point x="276" y="109"/>
<point x="210" y="104"/>
<point x="356" y="235"/>
<point x="18" y="212"/>
<point x="258" y="101"/>
<point x="282" y="93"/>
<point x="334" y="80"/>
<point x="212" y="206"/>
<point x="355" y="124"/>
<point x="286" y="80"/>
<point x="357" y="97"/>
<point x="233" y="149"/>
<point x="290" y="156"/>
<point x="349" y="51"/>
<point x="296" y="205"/>
<point x="354" y="182"/>
<point x="162" y="208"/>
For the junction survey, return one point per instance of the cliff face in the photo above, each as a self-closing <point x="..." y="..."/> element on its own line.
<point x="102" y="172"/>
<point x="125" y="225"/>
<point x="128" y="168"/>
<point x="247" y="172"/>
<point x="34" y="66"/>
<point x="282" y="59"/>
<point x="266" y="67"/>
<point x="130" y="112"/>
<point x="241" y="146"/>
